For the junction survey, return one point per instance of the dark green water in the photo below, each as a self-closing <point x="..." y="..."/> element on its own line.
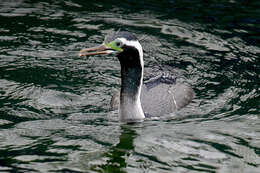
<point x="54" y="113"/>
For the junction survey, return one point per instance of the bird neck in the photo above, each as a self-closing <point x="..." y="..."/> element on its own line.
<point x="130" y="109"/>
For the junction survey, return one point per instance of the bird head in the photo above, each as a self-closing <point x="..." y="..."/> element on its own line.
<point x="116" y="43"/>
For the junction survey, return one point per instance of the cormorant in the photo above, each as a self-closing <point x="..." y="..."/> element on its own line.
<point x="137" y="100"/>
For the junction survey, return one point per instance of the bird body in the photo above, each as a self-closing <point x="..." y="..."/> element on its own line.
<point x="135" y="101"/>
<point x="160" y="98"/>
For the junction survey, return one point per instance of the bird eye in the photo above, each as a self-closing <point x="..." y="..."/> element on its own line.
<point x="118" y="44"/>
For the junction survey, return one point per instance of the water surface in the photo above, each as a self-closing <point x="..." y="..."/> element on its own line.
<point x="54" y="105"/>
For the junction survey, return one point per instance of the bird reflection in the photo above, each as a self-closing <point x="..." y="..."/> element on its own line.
<point x="118" y="153"/>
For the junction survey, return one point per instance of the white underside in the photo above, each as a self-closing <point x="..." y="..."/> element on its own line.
<point x="131" y="111"/>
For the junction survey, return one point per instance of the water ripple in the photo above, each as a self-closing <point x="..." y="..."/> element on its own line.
<point x="54" y="105"/>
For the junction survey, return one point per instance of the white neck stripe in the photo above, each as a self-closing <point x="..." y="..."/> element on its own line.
<point x="135" y="44"/>
<point x="138" y="112"/>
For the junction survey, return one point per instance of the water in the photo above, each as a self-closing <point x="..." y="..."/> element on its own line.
<point x="54" y="113"/>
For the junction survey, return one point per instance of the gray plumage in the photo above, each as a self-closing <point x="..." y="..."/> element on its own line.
<point x="159" y="97"/>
